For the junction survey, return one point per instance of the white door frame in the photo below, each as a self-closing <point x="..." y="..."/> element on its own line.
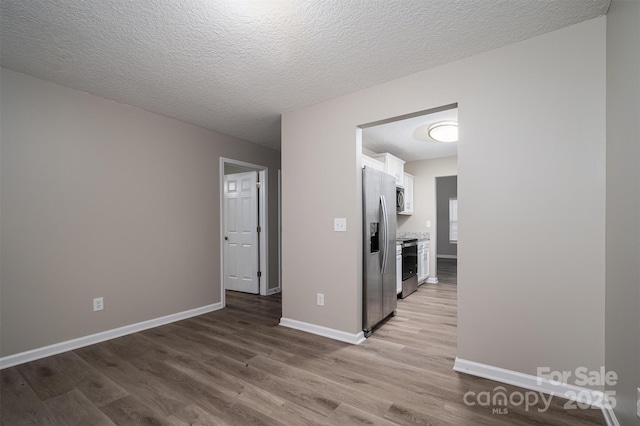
<point x="279" y="230"/>
<point x="263" y="204"/>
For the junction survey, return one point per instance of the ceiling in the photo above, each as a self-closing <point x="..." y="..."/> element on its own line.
<point x="407" y="139"/>
<point x="235" y="65"/>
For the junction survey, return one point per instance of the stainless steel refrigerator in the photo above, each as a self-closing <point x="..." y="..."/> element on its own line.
<point x="379" y="252"/>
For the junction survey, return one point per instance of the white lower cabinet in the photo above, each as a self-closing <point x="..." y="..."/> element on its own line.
<point x="399" y="268"/>
<point x="423" y="260"/>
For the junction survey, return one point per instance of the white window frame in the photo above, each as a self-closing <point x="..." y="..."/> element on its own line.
<point x="453" y="220"/>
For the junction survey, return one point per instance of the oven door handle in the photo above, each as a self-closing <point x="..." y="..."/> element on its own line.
<point x="385" y="244"/>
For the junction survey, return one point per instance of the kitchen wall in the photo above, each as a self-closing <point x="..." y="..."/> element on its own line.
<point x="532" y="129"/>
<point x="424" y="200"/>
<point x="623" y="206"/>
<point x="101" y="199"/>
<point x="446" y="188"/>
<point x="368" y="152"/>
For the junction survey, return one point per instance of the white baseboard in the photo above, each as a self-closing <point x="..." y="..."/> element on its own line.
<point x="528" y="381"/>
<point x="343" y="336"/>
<point x="432" y="280"/>
<point x="69" y="345"/>
<point x="273" y="291"/>
<point x="446" y="256"/>
<point x="610" y="416"/>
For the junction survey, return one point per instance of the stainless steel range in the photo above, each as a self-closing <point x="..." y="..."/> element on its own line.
<point x="409" y="266"/>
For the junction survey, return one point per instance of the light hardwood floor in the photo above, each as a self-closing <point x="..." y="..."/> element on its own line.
<point x="237" y="366"/>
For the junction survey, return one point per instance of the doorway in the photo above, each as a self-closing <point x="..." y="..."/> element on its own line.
<point x="447" y="228"/>
<point x="243" y="227"/>
<point x="420" y="159"/>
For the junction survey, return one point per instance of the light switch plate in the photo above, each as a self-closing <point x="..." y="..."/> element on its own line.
<point x="340" y="224"/>
<point x="98" y="304"/>
<point x="428" y="224"/>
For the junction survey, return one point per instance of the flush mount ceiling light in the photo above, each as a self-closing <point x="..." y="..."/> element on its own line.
<point x="444" y="131"/>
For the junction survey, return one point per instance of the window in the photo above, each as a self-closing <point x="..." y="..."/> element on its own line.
<point x="453" y="220"/>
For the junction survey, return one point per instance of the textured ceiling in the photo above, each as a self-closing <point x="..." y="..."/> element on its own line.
<point x="235" y="66"/>
<point x="407" y="139"/>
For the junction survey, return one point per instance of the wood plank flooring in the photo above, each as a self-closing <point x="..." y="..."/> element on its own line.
<point x="447" y="271"/>
<point x="237" y="367"/>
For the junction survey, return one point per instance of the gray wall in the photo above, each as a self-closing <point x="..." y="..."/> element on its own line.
<point x="424" y="202"/>
<point x="230" y="169"/>
<point x="508" y="317"/>
<point x="623" y="205"/>
<point x="446" y="188"/>
<point x="103" y="199"/>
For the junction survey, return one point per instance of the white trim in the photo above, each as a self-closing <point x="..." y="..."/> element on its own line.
<point x="432" y="280"/>
<point x="273" y="291"/>
<point x="264" y="207"/>
<point x="221" y="189"/>
<point x="69" y="345"/>
<point x="264" y="226"/>
<point x="279" y="227"/>
<point x="527" y="381"/>
<point x="610" y="416"/>
<point x="353" y="338"/>
<point x="446" y="256"/>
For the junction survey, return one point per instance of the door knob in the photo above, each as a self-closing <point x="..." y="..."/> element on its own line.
<point x="226" y="238"/>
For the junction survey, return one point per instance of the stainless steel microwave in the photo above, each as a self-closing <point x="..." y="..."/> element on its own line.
<point x="399" y="199"/>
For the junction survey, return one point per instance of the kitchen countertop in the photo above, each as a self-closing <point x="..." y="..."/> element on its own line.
<point x="418" y="235"/>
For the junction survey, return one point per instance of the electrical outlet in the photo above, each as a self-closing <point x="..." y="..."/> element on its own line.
<point x="98" y="304"/>
<point x="320" y="299"/>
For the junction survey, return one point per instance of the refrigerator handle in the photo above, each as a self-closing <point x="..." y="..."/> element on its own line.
<point x="385" y="243"/>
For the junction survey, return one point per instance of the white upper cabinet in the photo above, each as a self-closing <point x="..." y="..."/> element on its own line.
<point x="393" y="166"/>
<point x="408" y="194"/>
<point x="372" y="162"/>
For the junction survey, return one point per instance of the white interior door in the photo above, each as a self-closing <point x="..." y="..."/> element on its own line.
<point x="241" y="232"/>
